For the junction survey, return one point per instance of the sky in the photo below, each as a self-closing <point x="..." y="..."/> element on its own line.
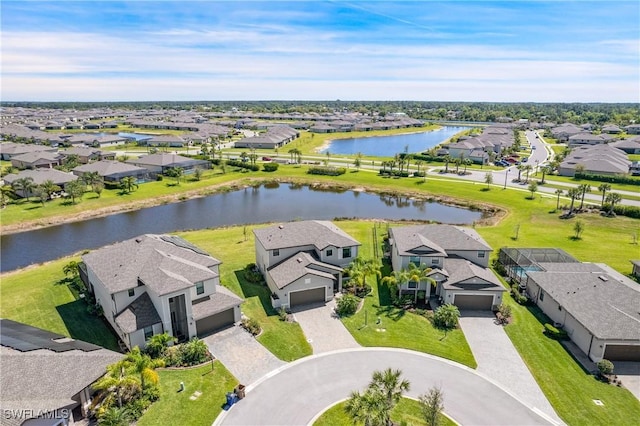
<point x="485" y="51"/>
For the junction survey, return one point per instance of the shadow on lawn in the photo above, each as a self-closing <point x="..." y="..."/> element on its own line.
<point x="253" y="290"/>
<point x="83" y="326"/>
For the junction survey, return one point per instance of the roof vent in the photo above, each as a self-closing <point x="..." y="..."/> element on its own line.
<point x="281" y="226"/>
<point x="603" y="278"/>
<point x="299" y="260"/>
<point x="138" y="240"/>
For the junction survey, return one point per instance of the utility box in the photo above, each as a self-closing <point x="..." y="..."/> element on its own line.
<point x="239" y="390"/>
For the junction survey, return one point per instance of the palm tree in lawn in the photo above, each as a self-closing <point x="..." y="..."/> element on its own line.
<point x="91" y="178"/>
<point x="527" y="169"/>
<point x="176" y="173"/>
<point x="417" y="274"/>
<point x="457" y="162"/>
<point x="584" y="188"/>
<point x="72" y="268"/>
<point x="545" y="171"/>
<point x="573" y="193"/>
<point x="48" y="187"/>
<point x="389" y="383"/>
<point x="118" y="380"/>
<point x="25" y="185"/>
<point x="559" y="193"/>
<point x="396" y="279"/>
<point x="75" y="189"/>
<point x="520" y="167"/>
<point x="367" y="408"/>
<point x="243" y="156"/>
<point x="127" y="183"/>
<point x="360" y="268"/>
<point x="292" y="152"/>
<point x="604" y="188"/>
<point x="5" y="192"/>
<point x="447" y="160"/>
<point x="466" y="162"/>
<point x="419" y="165"/>
<point x="142" y="364"/>
<point x="398" y="160"/>
<point x="613" y="198"/>
<point x="408" y="159"/>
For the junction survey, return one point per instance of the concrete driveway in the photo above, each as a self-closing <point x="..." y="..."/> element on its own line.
<point x="242" y="354"/>
<point x="498" y="359"/>
<point x="301" y="390"/>
<point x="323" y="329"/>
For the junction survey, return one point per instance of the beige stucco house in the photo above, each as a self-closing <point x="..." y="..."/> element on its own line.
<point x="302" y="262"/>
<point x="153" y="284"/>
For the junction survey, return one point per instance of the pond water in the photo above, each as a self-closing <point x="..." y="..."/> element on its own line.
<point x="388" y="146"/>
<point x="272" y="203"/>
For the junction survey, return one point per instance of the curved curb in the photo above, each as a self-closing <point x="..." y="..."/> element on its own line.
<point x="249" y="388"/>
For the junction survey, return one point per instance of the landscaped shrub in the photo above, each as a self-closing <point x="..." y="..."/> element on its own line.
<point x="282" y="314"/>
<point x="251" y="325"/>
<point x="270" y="167"/>
<point x="607" y="178"/>
<point x="159" y="178"/>
<point x="605" y="367"/>
<point x="252" y="274"/>
<point x="246" y="166"/>
<point x="158" y="344"/>
<point x="621" y="210"/>
<point x="327" y="171"/>
<point x="347" y="305"/>
<point x="194" y="352"/>
<point x="555" y="333"/>
<point x="446" y="316"/>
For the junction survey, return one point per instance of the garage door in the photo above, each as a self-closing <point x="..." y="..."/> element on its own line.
<point x="304" y="297"/>
<point x="622" y="352"/>
<point x="472" y="301"/>
<point x="215" y="322"/>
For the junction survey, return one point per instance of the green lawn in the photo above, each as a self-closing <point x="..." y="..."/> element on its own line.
<point x="406" y="412"/>
<point x="40" y="297"/>
<point x="175" y="407"/>
<point x="570" y="390"/>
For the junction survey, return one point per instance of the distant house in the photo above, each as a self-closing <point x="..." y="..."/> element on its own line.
<point x="611" y="129"/>
<point x="165" y="140"/>
<point x="153" y="284"/>
<point x="458" y="258"/>
<point x="87" y="155"/>
<point x="630" y="146"/>
<point x="112" y="171"/>
<point x="596" y="305"/>
<point x="597" y="159"/>
<point x="633" y="129"/>
<point x="47" y="377"/>
<point x="275" y="137"/>
<point x="39" y="177"/>
<point x="586" y="139"/>
<point x="302" y="262"/>
<point x="8" y="150"/>
<point x="159" y="163"/>
<point x="37" y="160"/>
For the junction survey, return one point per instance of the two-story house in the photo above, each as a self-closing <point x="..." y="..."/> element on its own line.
<point x="458" y="259"/>
<point x="153" y="284"/>
<point x="302" y="262"/>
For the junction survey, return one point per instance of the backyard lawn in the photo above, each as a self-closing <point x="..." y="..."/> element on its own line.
<point x="175" y="407"/>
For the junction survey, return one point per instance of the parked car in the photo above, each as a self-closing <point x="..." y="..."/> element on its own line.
<point x="525" y="159"/>
<point x="266" y="158"/>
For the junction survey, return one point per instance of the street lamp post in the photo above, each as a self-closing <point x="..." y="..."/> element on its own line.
<point x="506" y="174"/>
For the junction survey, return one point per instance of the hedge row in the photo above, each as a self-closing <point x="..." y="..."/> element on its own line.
<point x="270" y="167"/>
<point x="611" y="179"/>
<point x="327" y="171"/>
<point x="393" y="173"/>
<point x="629" y="211"/>
<point x="242" y="165"/>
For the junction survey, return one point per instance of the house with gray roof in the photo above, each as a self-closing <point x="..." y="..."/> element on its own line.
<point x="630" y="146"/>
<point x="456" y="260"/>
<point x="153" y="284"/>
<point x="302" y="262"/>
<point x="8" y="150"/>
<point x="598" y="307"/>
<point x="38" y="177"/>
<point x="87" y="155"/>
<point x="112" y="171"/>
<point x="47" y="377"/>
<point x="597" y="159"/>
<point x="160" y="162"/>
<point x="37" y="160"/>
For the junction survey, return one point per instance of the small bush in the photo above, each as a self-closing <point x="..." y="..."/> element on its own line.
<point x="252" y="274"/>
<point x="347" y="305"/>
<point x="270" y="167"/>
<point x="327" y="171"/>
<point x="282" y="314"/>
<point x="251" y="325"/>
<point x="505" y="311"/>
<point x="246" y="166"/>
<point x="554" y="332"/>
<point x="446" y="316"/>
<point x="159" y="178"/>
<point x="605" y="367"/>
<point x="194" y="352"/>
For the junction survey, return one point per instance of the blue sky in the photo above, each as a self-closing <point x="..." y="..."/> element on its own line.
<point x="515" y="51"/>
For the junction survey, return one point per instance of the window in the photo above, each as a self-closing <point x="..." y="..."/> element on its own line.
<point x="329" y="252"/>
<point x="346" y="252"/>
<point x="415" y="260"/>
<point x="435" y="261"/>
<point x="132" y="292"/>
<point x="413" y="284"/>
<point x="148" y="332"/>
<point x="276" y="252"/>
<point x="199" y="288"/>
<point x="481" y="254"/>
<point x="541" y="295"/>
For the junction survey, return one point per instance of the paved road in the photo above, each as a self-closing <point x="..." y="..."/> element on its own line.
<point x="323" y="329"/>
<point x="498" y="359"/>
<point x="296" y="393"/>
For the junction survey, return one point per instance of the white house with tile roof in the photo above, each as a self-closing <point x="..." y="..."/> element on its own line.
<point x="302" y="262"/>
<point x="159" y="283"/>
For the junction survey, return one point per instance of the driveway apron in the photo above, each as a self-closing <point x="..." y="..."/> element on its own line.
<point x="323" y="329"/>
<point x="498" y="359"/>
<point x="242" y="354"/>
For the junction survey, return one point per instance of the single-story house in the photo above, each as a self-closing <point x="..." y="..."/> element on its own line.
<point x="302" y="262"/>
<point x="112" y="171"/>
<point x="37" y="160"/>
<point x="596" y="305"/>
<point x="47" y="377"/>
<point x="164" y="140"/>
<point x="159" y="163"/>
<point x="630" y="146"/>
<point x="458" y="259"/>
<point x="40" y="176"/>
<point x="153" y="284"/>
<point x="8" y="150"/>
<point x="596" y="159"/>
<point x="86" y="155"/>
<point x="633" y="129"/>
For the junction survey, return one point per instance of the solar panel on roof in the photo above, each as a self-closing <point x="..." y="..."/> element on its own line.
<point x="25" y="338"/>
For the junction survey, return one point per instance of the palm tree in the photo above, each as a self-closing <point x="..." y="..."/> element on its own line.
<point x="143" y="364"/>
<point x="75" y="189"/>
<point x="447" y="160"/>
<point x="457" y="162"/>
<point x="584" y="188"/>
<point x="389" y="384"/>
<point x="527" y="169"/>
<point x="119" y="381"/>
<point x="573" y="193"/>
<point x="604" y="188"/>
<point x="558" y="192"/>
<point x="545" y="171"/>
<point x="158" y="343"/>
<point x="396" y="279"/>
<point x="25" y="185"/>
<point x="48" y="187"/>
<point x="466" y="162"/>
<point x="177" y="172"/>
<point x="5" y="191"/>
<point x="360" y="268"/>
<point x="127" y="184"/>
<point x="612" y="199"/>
<point x="367" y="408"/>
<point x="72" y="268"/>
<point x="91" y="178"/>
<point x="243" y="156"/>
<point x="520" y="167"/>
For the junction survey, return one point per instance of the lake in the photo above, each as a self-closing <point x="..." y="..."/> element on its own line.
<point x="272" y="203"/>
<point x="388" y="146"/>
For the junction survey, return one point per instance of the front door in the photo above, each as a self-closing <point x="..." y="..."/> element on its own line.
<point x="178" y="311"/>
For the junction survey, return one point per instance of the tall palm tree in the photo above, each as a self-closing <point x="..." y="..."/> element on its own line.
<point x="396" y="279"/>
<point x="545" y="171"/>
<point x="417" y="274"/>
<point x="360" y="268"/>
<point x="612" y="199"/>
<point x="91" y="178"/>
<point x="573" y="193"/>
<point x="466" y="162"/>
<point x="389" y="383"/>
<point x="558" y="192"/>
<point x="127" y="183"/>
<point x="520" y="168"/>
<point x="584" y="188"/>
<point x="604" y="188"/>
<point x="49" y="187"/>
<point x="118" y="380"/>
<point x="143" y="365"/>
<point x="25" y="185"/>
<point x="447" y="160"/>
<point x="367" y="408"/>
<point x="5" y="191"/>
